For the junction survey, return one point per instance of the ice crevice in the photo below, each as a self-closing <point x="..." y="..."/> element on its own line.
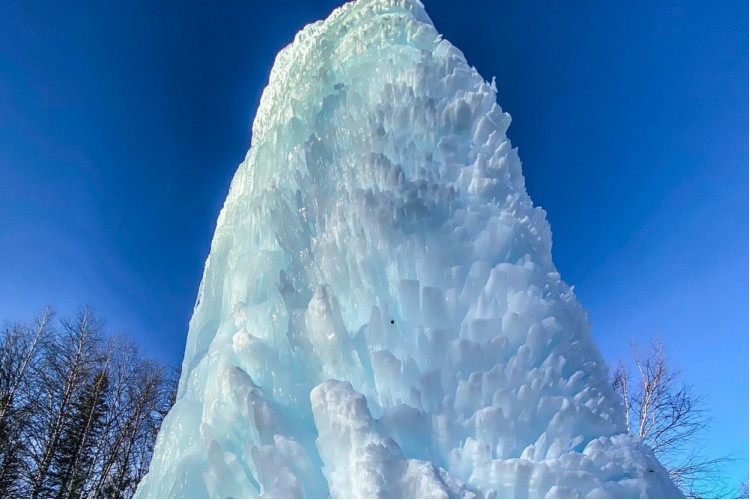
<point x="380" y="315"/>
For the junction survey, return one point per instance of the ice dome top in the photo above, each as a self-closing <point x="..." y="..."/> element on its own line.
<point x="380" y="315"/>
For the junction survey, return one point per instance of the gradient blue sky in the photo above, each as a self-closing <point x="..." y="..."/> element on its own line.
<point x="121" y="125"/>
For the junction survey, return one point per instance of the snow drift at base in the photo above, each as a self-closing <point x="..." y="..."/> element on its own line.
<point x="379" y="315"/>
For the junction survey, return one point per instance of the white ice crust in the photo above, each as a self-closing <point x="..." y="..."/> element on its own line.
<point x="380" y="315"/>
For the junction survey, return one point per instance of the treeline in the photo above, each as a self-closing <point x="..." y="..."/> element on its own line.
<point x="79" y="409"/>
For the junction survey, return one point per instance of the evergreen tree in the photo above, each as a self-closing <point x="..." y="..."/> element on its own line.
<point x="79" y="438"/>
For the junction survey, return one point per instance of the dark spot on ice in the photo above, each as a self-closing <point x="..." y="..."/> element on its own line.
<point x="392" y="322"/>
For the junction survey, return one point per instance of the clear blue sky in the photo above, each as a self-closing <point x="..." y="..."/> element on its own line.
<point x="121" y="125"/>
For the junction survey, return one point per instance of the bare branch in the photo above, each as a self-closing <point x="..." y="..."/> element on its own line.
<point x="671" y="419"/>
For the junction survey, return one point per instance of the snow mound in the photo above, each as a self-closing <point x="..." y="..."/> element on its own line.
<point x="380" y="315"/>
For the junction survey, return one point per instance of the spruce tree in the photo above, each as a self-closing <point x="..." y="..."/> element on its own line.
<point x="79" y="439"/>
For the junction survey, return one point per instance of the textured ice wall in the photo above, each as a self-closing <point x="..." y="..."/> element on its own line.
<point x="379" y="314"/>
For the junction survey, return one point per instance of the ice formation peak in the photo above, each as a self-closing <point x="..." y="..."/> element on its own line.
<point x="379" y="315"/>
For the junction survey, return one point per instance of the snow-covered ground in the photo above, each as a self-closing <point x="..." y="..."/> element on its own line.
<point x="379" y="314"/>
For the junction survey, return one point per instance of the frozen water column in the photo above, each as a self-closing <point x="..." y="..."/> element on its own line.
<point x="379" y="315"/>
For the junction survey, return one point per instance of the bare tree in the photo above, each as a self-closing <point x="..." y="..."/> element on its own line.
<point x="141" y="393"/>
<point x="671" y="418"/>
<point x="20" y="347"/>
<point x="148" y="401"/>
<point x="124" y="359"/>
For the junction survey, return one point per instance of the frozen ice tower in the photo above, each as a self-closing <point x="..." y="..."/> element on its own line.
<point x="380" y="315"/>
